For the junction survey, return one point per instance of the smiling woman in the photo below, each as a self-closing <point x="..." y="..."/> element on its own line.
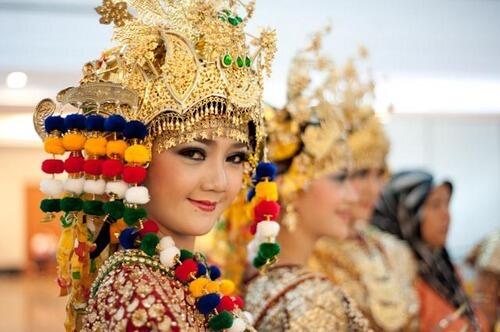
<point x="158" y="144"/>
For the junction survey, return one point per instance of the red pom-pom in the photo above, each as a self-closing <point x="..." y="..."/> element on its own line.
<point x="149" y="226"/>
<point x="267" y="210"/>
<point x="186" y="270"/>
<point x="93" y="166"/>
<point x="226" y="304"/>
<point x="53" y="166"/>
<point x="238" y="301"/>
<point x="134" y="174"/>
<point x="74" y="164"/>
<point x="112" y="168"/>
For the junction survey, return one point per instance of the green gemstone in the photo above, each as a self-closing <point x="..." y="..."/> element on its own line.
<point x="234" y="22"/>
<point x="240" y="62"/>
<point x="228" y="60"/>
<point x="248" y="61"/>
<point x="239" y="19"/>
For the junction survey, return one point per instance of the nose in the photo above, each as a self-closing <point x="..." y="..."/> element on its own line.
<point x="350" y="194"/>
<point x="374" y="185"/>
<point x="215" y="178"/>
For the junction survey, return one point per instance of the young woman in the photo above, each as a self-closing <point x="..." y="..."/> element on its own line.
<point x="306" y="142"/>
<point x="364" y="266"/>
<point x="416" y="209"/>
<point x="159" y="142"/>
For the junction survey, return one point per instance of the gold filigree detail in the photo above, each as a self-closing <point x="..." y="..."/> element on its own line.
<point x="113" y="13"/>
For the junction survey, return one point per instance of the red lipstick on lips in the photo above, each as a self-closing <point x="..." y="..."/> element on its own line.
<point x="206" y="206"/>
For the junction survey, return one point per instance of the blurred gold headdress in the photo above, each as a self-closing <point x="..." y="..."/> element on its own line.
<point x="367" y="140"/>
<point x="307" y="134"/>
<point x="189" y="64"/>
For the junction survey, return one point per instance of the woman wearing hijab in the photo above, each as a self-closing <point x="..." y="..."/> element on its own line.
<point x="416" y="209"/>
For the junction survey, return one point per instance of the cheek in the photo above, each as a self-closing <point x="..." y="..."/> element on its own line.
<point x="234" y="176"/>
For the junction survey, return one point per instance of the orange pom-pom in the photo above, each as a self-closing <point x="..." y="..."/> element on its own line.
<point x="54" y="145"/>
<point x="137" y="154"/>
<point x="116" y="148"/>
<point x="73" y="141"/>
<point x="96" y="146"/>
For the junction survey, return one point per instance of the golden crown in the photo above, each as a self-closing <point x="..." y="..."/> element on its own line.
<point x="184" y="68"/>
<point x="366" y="137"/>
<point x="309" y="133"/>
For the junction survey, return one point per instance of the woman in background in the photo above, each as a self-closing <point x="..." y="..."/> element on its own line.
<point x="416" y="209"/>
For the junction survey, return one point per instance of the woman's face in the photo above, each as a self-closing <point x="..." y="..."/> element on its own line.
<point x="435" y="216"/>
<point x="324" y="206"/>
<point x="193" y="183"/>
<point x="367" y="184"/>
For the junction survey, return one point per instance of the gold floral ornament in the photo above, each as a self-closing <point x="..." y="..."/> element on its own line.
<point x="309" y="134"/>
<point x="366" y="136"/>
<point x="113" y="12"/>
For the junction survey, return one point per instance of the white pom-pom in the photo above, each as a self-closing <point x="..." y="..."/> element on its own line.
<point x="116" y="187"/>
<point x="137" y="195"/>
<point x="96" y="187"/>
<point x="51" y="187"/>
<point x="248" y="317"/>
<point x="267" y="229"/>
<point x="252" y="249"/>
<point x="239" y="325"/>
<point x="74" y="186"/>
<point x="166" y="242"/>
<point x="167" y="256"/>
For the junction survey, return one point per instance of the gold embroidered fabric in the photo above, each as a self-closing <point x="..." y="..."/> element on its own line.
<point x="378" y="272"/>
<point x="134" y="293"/>
<point x="291" y="298"/>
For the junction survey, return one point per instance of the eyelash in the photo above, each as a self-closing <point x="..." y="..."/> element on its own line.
<point x="200" y="155"/>
<point x="340" y="178"/>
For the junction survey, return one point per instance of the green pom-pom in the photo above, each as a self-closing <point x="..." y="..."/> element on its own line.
<point x="259" y="261"/>
<point x="149" y="243"/>
<point x="185" y="254"/>
<point x="50" y="205"/>
<point x="221" y="321"/>
<point x="115" y="209"/>
<point x="69" y="204"/>
<point x="93" y="208"/>
<point x="269" y="250"/>
<point x="132" y="215"/>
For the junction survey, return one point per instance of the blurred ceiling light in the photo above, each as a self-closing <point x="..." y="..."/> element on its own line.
<point x="17" y="80"/>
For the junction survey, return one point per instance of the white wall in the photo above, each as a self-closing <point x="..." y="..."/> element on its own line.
<point x="465" y="149"/>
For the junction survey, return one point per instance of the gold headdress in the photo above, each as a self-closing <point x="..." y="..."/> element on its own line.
<point x="188" y="63"/>
<point x="367" y="140"/>
<point x="307" y="134"/>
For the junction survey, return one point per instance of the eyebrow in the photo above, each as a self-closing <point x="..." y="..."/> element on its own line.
<point x="210" y="142"/>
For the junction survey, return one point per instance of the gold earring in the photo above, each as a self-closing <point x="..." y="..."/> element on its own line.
<point x="290" y="218"/>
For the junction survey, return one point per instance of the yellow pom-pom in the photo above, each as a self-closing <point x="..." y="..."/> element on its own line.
<point x="54" y="145"/>
<point x="115" y="230"/>
<point x="116" y="147"/>
<point x="212" y="287"/>
<point x="197" y="286"/>
<point x="73" y="141"/>
<point x="138" y="154"/>
<point x="267" y="191"/>
<point x="96" y="146"/>
<point x="227" y="287"/>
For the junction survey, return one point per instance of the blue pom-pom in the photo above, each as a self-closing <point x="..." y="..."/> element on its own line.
<point x="207" y="303"/>
<point x="202" y="270"/>
<point x="115" y="123"/>
<point x="74" y="121"/>
<point x="214" y="272"/>
<point x="54" y="123"/>
<point x="135" y="129"/>
<point x="127" y="238"/>
<point x="250" y="194"/>
<point x="265" y="170"/>
<point x="94" y="122"/>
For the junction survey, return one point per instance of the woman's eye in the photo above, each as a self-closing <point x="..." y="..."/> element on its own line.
<point x="238" y="158"/>
<point x="340" y="177"/>
<point x="195" y="154"/>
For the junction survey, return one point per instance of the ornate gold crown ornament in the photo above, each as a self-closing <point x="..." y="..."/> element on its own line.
<point x="309" y="133"/>
<point x="184" y="68"/>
